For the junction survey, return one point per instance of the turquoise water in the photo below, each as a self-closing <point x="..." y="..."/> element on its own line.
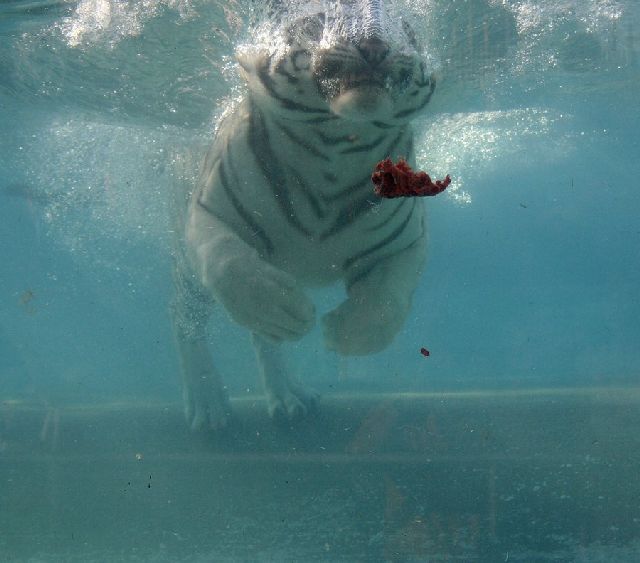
<point x="534" y="251"/>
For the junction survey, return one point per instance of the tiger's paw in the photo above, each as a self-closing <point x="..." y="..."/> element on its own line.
<point x="291" y="402"/>
<point x="206" y="404"/>
<point x="359" y="327"/>
<point x="264" y="299"/>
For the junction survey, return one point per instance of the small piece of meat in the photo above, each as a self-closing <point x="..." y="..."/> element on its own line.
<point x="398" y="180"/>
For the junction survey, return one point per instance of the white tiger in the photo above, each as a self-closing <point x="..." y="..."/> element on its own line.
<point x="284" y="201"/>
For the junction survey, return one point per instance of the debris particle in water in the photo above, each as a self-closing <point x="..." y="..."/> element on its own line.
<point x="26" y="297"/>
<point x="425" y="352"/>
<point x="26" y="301"/>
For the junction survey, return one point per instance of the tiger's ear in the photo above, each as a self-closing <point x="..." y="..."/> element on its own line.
<point x="251" y="61"/>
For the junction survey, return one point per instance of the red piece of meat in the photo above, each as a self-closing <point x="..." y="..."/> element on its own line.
<point x="398" y="180"/>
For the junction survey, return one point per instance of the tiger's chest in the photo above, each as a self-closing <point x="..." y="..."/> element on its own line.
<point x="302" y="193"/>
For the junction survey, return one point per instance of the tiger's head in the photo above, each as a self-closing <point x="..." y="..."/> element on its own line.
<point x="344" y="65"/>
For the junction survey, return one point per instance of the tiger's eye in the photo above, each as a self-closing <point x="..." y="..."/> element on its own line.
<point x="404" y="76"/>
<point x="301" y="60"/>
<point x="329" y="67"/>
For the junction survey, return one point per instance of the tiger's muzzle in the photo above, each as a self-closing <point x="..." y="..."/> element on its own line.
<point x="358" y="78"/>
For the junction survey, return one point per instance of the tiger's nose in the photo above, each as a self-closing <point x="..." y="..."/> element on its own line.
<point x="373" y="50"/>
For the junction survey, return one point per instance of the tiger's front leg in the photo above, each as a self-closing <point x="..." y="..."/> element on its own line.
<point x="256" y="294"/>
<point x="377" y="305"/>
<point x="287" y="399"/>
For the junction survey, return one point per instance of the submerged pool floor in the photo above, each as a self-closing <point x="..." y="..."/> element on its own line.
<point x="506" y="476"/>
